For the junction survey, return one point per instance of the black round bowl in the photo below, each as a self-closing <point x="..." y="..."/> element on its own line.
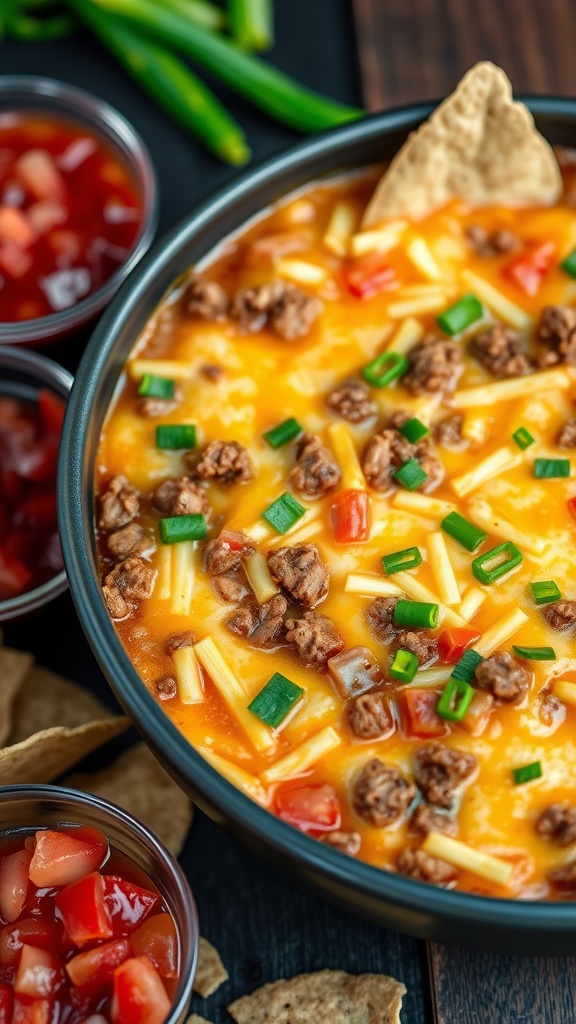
<point x="390" y="899"/>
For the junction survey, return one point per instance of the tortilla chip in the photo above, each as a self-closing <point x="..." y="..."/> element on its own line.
<point x="478" y="145"/>
<point x="137" y="782"/>
<point x="14" y="666"/>
<point x="326" y="997"/>
<point x="46" y="700"/>
<point x="211" y="972"/>
<point x="195" y="1019"/>
<point x="46" y="755"/>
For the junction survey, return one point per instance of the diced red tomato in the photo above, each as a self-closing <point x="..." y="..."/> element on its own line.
<point x="31" y="1011"/>
<point x="6" y="1003"/>
<point x="529" y="269"/>
<point x="419" y="713"/>
<point x="453" y="641"/>
<point x="157" y="939"/>
<point x="52" y="409"/>
<point x="572" y="507"/>
<point x="14" y="261"/>
<point x="61" y="858"/>
<point x="370" y="275"/>
<point x="310" y="808"/>
<point x="82" y="910"/>
<point x="45" y="215"/>
<point x="38" y="172"/>
<point x="14" y="576"/>
<point x="40" y="931"/>
<point x="14" y="883"/>
<point x="127" y="904"/>
<point x="349" y="515"/>
<point x="40" y="974"/>
<point x="15" y="227"/>
<point x="139" y="995"/>
<point x="93" y="969"/>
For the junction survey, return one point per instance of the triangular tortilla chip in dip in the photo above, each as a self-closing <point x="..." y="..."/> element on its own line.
<point x="14" y="667"/>
<point x="210" y="973"/>
<point x="327" y="997"/>
<point x="478" y="145"/>
<point x="46" y="755"/>
<point x="137" y="782"/>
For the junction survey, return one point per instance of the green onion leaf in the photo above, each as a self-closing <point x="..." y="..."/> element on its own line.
<point x="403" y="666"/>
<point x="527" y="772"/>
<point x="548" y="469"/>
<point x="523" y="438"/>
<point x="466" y="533"/>
<point x="385" y="369"/>
<point x="176" y="436"/>
<point x="414" y="430"/>
<point x="569" y="264"/>
<point x="545" y="591"/>
<point x="284" y="512"/>
<point x="535" y="653"/>
<point x="416" y="614"/>
<point x="455" y="700"/>
<point x="275" y="700"/>
<point x="179" y="528"/>
<point x="284" y="432"/>
<point x="460" y="315"/>
<point x="251" y="23"/>
<point x="464" y="669"/>
<point x="156" y="387"/>
<point x="411" y="475"/>
<point x="398" y="561"/>
<point x="507" y="557"/>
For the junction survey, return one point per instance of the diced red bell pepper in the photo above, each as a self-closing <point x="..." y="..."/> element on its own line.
<point x="31" y="1011"/>
<point x="40" y="974"/>
<point x="157" y="939"/>
<point x="529" y="269"/>
<point x="419" y="714"/>
<point x="453" y="641"/>
<point x="82" y="910"/>
<point x="41" y="931"/>
<point x="310" y="808"/>
<point x="127" y="904"/>
<point x="61" y="858"/>
<point x="349" y="515"/>
<point x="92" y="970"/>
<point x="370" y="275"/>
<point x="6" y="1003"/>
<point x="139" y="995"/>
<point x="52" y="409"/>
<point x="14" y="883"/>
<point x="14" y="576"/>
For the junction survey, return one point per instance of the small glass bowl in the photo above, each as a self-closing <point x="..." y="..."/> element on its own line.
<point x="22" y="374"/>
<point x="28" y="93"/>
<point x="27" y="808"/>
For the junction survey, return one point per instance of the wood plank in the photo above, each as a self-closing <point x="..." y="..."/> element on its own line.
<point x="418" y="49"/>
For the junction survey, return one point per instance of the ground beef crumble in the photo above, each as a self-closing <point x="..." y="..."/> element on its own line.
<point x="560" y="614"/>
<point x="418" y="642"/>
<point x="369" y="716"/>
<point x="151" y="408"/>
<point x="435" y="367"/>
<point x="448" y="432"/>
<point x="316" y="471"/>
<point x="283" y="306"/>
<point x="427" y="818"/>
<point x="300" y="572"/>
<point x="388" y="450"/>
<point x="130" y="540"/>
<point x="225" y="462"/>
<point x="119" y="504"/>
<point x="346" y="842"/>
<point x="499" y="351"/>
<point x="440" y="770"/>
<point x="425" y="868"/>
<point x="558" y="822"/>
<point x="494" y="243"/>
<point x="557" y="332"/>
<point x="176" y="641"/>
<point x="566" y="436"/>
<point x="314" y="638"/>
<point x="380" y="615"/>
<point x="262" y="625"/>
<point x="380" y="794"/>
<point x="504" y="677"/>
<point x="166" y="688"/>
<point x="352" y="401"/>
<point x="205" y="299"/>
<point x="564" y="876"/>
<point x="226" y="552"/>
<point x="127" y="583"/>
<point x="180" y="496"/>
<point x="229" y="589"/>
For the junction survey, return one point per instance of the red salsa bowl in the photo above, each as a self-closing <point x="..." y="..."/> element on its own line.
<point x="78" y="207"/>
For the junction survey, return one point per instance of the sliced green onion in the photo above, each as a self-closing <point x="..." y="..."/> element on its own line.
<point x="251" y="23"/>
<point x="545" y="591"/>
<point x="156" y="387"/>
<point x="416" y="614"/>
<point x="398" y="561"/>
<point x="411" y="475"/>
<point x="284" y="432"/>
<point x="511" y="555"/>
<point x="176" y="435"/>
<point x="455" y="700"/>
<point x="179" y="528"/>
<point x="535" y="653"/>
<point x="569" y="264"/>
<point x="465" y="668"/>
<point x="465" y="532"/>
<point x="275" y="700"/>
<point x="414" y="430"/>
<point x="548" y="469"/>
<point x="403" y="666"/>
<point x="460" y="315"/>
<point x="523" y="438"/>
<point x="284" y="512"/>
<point x="527" y="772"/>
<point x="387" y="367"/>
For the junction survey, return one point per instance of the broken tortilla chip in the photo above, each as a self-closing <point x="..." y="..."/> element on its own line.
<point x="138" y="783"/>
<point x="46" y="755"/>
<point x="195" y="1019"/>
<point x="14" y="667"/>
<point x="479" y="145"/>
<point x="210" y="973"/>
<point x="46" y="700"/>
<point x="326" y="997"/>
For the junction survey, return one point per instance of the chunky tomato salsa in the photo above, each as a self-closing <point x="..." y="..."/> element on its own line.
<point x="82" y="933"/>
<point x="336" y="515"/>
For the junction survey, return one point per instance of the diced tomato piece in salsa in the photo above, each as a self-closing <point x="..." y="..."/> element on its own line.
<point x="127" y="905"/>
<point x="41" y="931"/>
<point x="82" y="910"/>
<point x="310" y="808"/>
<point x="93" y="969"/>
<point x="32" y="1011"/>
<point x="61" y="858"/>
<point x="14" y="884"/>
<point x="156" y="938"/>
<point x="40" y="973"/>
<point x="139" y="995"/>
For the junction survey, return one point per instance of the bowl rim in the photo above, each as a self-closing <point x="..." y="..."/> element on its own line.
<point x="108" y="124"/>
<point x="292" y="846"/>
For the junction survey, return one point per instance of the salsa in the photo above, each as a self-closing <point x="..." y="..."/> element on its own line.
<point x="82" y="932"/>
<point x="335" y="515"/>
<point x="70" y="215"/>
